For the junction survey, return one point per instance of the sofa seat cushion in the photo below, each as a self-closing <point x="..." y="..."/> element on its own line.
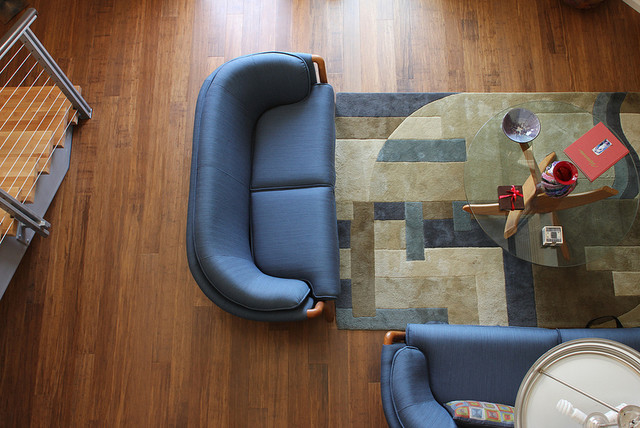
<point x="222" y="246"/>
<point x="481" y="414"/>
<point x="294" y="235"/>
<point x="294" y="144"/>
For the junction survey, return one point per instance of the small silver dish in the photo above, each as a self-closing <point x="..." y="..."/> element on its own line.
<point x="521" y="125"/>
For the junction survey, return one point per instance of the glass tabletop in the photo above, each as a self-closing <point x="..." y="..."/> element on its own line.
<point x="495" y="160"/>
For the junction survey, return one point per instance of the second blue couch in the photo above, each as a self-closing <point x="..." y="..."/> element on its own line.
<point x="439" y="363"/>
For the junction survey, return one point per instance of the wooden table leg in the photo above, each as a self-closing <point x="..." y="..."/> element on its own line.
<point x="529" y="190"/>
<point x="564" y="248"/>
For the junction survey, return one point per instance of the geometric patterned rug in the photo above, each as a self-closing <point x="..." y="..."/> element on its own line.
<point x="409" y="254"/>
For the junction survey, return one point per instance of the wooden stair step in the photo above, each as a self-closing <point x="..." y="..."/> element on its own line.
<point x="6" y="160"/>
<point x="12" y="94"/>
<point x="25" y="168"/>
<point x="25" y="89"/>
<point x="21" y="160"/>
<point x="43" y="121"/>
<point x="30" y="141"/>
<point x="24" y="145"/>
<point x="25" y="110"/>
<point x="24" y="183"/>
<point x="39" y="120"/>
<point x="22" y="90"/>
<point x="14" y="166"/>
<point x="17" y="192"/>
<point x="7" y="225"/>
<point x="27" y="102"/>
<point x="13" y="191"/>
<point x="33" y="120"/>
<point x="53" y="116"/>
<point x="42" y="101"/>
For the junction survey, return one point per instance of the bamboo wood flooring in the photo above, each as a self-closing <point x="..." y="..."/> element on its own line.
<point x="103" y="325"/>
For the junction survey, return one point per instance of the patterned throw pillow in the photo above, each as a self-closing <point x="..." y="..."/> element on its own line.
<point x="481" y="414"/>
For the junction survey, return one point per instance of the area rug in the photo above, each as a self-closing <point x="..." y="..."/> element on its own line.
<point x="409" y="254"/>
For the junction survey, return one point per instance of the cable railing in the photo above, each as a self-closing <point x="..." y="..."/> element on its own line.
<point x="38" y="104"/>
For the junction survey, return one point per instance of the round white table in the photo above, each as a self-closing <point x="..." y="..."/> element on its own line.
<point x="592" y="375"/>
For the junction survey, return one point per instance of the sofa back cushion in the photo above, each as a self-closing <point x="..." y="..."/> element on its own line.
<point x="626" y="336"/>
<point x="234" y="97"/>
<point x="294" y="144"/>
<point x="484" y="363"/>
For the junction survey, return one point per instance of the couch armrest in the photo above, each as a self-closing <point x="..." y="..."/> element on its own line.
<point x="407" y="400"/>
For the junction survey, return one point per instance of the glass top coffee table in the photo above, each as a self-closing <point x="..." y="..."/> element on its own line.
<point x="595" y="214"/>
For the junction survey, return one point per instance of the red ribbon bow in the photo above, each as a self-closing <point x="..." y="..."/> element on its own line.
<point x="513" y="193"/>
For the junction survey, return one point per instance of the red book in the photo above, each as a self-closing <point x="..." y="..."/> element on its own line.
<point x="596" y="151"/>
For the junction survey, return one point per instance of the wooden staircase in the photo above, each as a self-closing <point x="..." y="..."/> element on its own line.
<point x="33" y="122"/>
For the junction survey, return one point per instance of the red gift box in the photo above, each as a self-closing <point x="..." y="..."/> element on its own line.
<point x="510" y="198"/>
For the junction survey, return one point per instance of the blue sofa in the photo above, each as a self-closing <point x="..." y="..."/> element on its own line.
<point x="262" y="240"/>
<point x="439" y="363"/>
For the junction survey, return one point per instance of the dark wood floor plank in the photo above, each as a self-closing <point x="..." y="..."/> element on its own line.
<point x="278" y="378"/>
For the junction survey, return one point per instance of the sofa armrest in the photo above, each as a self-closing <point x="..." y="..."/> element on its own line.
<point x="406" y="395"/>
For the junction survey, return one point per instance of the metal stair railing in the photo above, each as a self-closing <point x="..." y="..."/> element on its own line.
<point x="40" y="70"/>
<point x="22" y="31"/>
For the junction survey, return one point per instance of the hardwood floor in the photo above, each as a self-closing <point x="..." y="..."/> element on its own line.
<point x="103" y="324"/>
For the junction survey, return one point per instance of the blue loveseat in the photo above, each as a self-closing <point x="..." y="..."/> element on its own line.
<point x="262" y="240"/>
<point x="438" y="363"/>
